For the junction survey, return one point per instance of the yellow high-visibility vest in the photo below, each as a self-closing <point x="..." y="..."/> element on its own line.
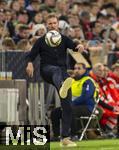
<point x="77" y="86"/>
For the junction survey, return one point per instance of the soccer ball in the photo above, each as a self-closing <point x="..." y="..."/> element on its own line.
<point x="53" y="38"/>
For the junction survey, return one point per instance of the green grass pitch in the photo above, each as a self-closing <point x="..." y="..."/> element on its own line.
<point x="90" y="145"/>
<point x="112" y="144"/>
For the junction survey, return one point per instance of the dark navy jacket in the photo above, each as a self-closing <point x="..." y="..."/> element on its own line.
<point x="51" y="55"/>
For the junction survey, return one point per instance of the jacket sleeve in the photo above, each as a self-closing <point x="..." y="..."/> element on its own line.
<point x="87" y="93"/>
<point x="105" y="105"/>
<point x="70" y="44"/>
<point x="34" y="51"/>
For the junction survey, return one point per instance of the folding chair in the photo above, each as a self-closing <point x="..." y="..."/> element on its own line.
<point x="86" y="118"/>
<point x="89" y="118"/>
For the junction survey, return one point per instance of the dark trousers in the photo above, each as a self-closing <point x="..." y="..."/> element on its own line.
<point x="82" y="110"/>
<point x="56" y="116"/>
<point x="56" y="75"/>
<point x="77" y="112"/>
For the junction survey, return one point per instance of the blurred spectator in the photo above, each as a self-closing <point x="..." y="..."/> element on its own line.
<point x="63" y="25"/>
<point x="3" y="32"/>
<point x="22" y="33"/>
<point x="98" y="71"/>
<point x="23" y="17"/>
<point x="33" y="8"/>
<point x="2" y="15"/>
<point x="62" y="8"/>
<point x="8" y="44"/>
<point x="86" y="7"/>
<point x="38" y="30"/>
<point x="48" y="5"/>
<point x="113" y="35"/>
<point x="115" y="26"/>
<point x="24" y="45"/>
<point x="96" y="29"/>
<point x="78" y="32"/>
<point x="27" y="2"/>
<point x="114" y="55"/>
<point x="104" y="19"/>
<point x="110" y="86"/>
<point x="3" y="4"/>
<point x="75" y="8"/>
<point x="15" y="6"/>
<point x="110" y="45"/>
<point x="37" y="18"/>
<point x="9" y="19"/>
<point x="44" y="14"/>
<point x="95" y="48"/>
<point x="94" y="11"/>
<point x="21" y="3"/>
<point x="115" y="69"/>
<point x="73" y="20"/>
<point x="116" y="4"/>
<point x="69" y="32"/>
<point x="109" y="8"/>
<point x="86" y="25"/>
<point x="109" y="118"/>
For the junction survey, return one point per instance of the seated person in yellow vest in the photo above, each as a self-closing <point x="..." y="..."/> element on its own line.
<point x="84" y="94"/>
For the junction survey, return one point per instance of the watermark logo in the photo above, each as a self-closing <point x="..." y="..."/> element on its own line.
<point x="25" y="135"/>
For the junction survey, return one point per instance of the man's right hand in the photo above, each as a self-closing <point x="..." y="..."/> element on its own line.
<point x="30" y="69"/>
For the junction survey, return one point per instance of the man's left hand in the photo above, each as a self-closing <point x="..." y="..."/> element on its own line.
<point x="80" y="48"/>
